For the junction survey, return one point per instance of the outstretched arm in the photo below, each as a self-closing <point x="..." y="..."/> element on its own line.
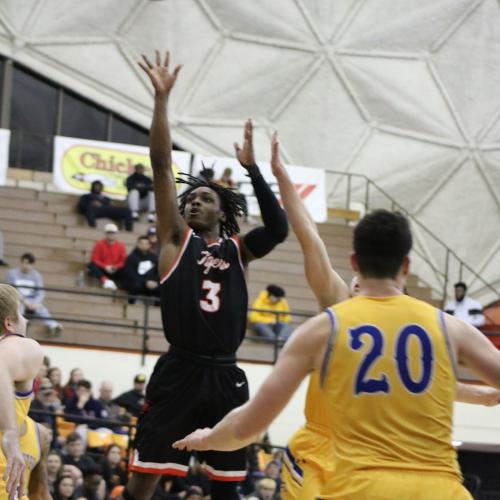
<point x="328" y="287"/>
<point x="261" y="240"/>
<point x="303" y="352"/>
<point x="170" y="225"/>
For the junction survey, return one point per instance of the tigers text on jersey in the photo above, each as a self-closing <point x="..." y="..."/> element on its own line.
<point x="390" y="386"/>
<point x="204" y="298"/>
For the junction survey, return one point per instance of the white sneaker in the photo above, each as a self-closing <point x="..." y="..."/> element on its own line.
<point x="109" y="285"/>
<point x="55" y="331"/>
<point x="135" y="215"/>
<point x="151" y="217"/>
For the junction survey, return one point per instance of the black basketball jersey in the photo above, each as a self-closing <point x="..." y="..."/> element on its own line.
<point x="204" y="298"/>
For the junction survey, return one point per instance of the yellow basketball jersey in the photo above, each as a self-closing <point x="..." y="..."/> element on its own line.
<point x="29" y="441"/>
<point x="390" y="388"/>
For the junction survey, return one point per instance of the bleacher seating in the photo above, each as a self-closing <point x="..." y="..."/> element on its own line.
<point x="47" y="224"/>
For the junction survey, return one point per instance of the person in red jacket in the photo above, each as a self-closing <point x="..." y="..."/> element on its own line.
<point x="108" y="258"/>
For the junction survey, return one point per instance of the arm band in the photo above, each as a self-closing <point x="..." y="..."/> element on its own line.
<point x="275" y="228"/>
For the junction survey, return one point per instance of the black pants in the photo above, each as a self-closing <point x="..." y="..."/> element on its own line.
<point x="99" y="272"/>
<point x="115" y="213"/>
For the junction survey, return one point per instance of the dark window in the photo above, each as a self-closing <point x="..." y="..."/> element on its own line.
<point x="127" y="133"/>
<point x="81" y="118"/>
<point x="32" y="121"/>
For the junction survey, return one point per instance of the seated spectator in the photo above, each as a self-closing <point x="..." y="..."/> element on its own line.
<point x="266" y="490"/>
<point x="113" y="471"/>
<point x="96" y="205"/>
<point x="54" y="466"/>
<point x="94" y="487"/>
<point x="465" y="308"/>
<point x="273" y="324"/>
<point x="108" y="258"/>
<point x="29" y="284"/>
<point x="75" y="453"/>
<point x="55" y="376"/>
<point x="74" y="472"/>
<point x="2" y="261"/>
<point x="140" y="273"/>
<point x="226" y="180"/>
<point x="83" y="406"/>
<point x="197" y="477"/>
<point x="133" y="400"/>
<point x="206" y="174"/>
<point x="153" y="240"/>
<point x="75" y="375"/>
<point x="64" y="488"/>
<point x="140" y="193"/>
<point x="45" y="401"/>
<point x="111" y="409"/>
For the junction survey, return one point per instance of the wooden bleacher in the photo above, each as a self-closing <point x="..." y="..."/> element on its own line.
<point x="46" y="223"/>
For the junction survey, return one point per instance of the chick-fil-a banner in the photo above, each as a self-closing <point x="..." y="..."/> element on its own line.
<point x="79" y="162"/>
<point x="309" y="182"/>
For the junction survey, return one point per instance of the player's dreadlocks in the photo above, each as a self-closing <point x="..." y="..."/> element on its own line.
<point x="233" y="204"/>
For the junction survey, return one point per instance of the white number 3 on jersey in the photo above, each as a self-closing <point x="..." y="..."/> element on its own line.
<point x="211" y="302"/>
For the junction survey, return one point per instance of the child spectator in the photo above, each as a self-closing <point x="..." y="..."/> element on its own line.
<point x="29" y="284"/>
<point x="108" y="258"/>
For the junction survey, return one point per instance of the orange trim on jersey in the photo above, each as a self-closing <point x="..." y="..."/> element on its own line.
<point x="219" y="475"/>
<point x="166" y="471"/>
<point x="236" y="240"/>
<point x="184" y="243"/>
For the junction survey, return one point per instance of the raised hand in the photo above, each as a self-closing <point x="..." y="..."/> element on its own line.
<point x="15" y="468"/>
<point x="245" y="155"/>
<point x="162" y="79"/>
<point x="277" y="166"/>
<point x="197" y="440"/>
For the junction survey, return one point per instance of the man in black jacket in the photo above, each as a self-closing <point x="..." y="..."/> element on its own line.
<point x="96" y="205"/>
<point x="133" y="400"/>
<point x="140" y="273"/>
<point x="140" y="193"/>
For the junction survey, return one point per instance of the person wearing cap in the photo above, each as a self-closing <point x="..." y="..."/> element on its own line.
<point x="153" y="240"/>
<point x="133" y="400"/>
<point x="464" y="307"/>
<point x="270" y="314"/>
<point x="108" y="258"/>
<point x="95" y="205"/>
<point x="46" y="401"/>
<point x="140" y="193"/>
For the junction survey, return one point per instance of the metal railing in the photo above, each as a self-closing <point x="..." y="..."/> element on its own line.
<point x="442" y="261"/>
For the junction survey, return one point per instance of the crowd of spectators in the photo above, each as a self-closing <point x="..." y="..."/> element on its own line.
<point x="77" y="469"/>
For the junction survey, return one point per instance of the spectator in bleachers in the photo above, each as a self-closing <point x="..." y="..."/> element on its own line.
<point x="75" y="453"/>
<point x="266" y="490"/>
<point x="64" y="488"/>
<point x="45" y="401"/>
<point x="274" y="323"/>
<point x="54" y="466"/>
<point x="140" y="193"/>
<point x="111" y="465"/>
<point x="2" y="261"/>
<point x="133" y="400"/>
<point x="55" y="376"/>
<point x="94" y="487"/>
<point x="29" y="284"/>
<point x="465" y="308"/>
<point x="74" y="472"/>
<point x="198" y="477"/>
<point x="108" y="258"/>
<point x="111" y="410"/>
<point x="75" y="375"/>
<point x="95" y="205"/>
<point x="226" y="180"/>
<point x="153" y="240"/>
<point x="84" y="405"/>
<point x="140" y="273"/>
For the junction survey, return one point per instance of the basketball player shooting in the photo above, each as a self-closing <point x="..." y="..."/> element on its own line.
<point x="204" y="305"/>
